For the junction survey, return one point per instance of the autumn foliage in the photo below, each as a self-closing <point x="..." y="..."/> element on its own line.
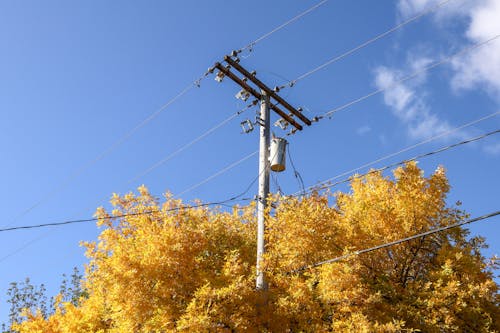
<point x="192" y="270"/>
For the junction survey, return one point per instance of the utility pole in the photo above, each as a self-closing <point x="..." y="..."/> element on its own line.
<point x="265" y="139"/>
<point x="264" y="94"/>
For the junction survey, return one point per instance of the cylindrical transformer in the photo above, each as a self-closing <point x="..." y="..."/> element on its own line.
<point x="278" y="154"/>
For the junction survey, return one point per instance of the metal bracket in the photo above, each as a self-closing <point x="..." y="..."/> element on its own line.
<point x="260" y="121"/>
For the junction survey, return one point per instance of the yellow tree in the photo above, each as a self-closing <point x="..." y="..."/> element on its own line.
<point x="164" y="268"/>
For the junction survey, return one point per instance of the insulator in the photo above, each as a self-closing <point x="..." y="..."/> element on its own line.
<point x="243" y="95"/>
<point x="281" y="123"/>
<point x="219" y="77"/>
<point x="247" y="126"/>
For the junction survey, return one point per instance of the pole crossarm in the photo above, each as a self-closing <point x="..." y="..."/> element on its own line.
<point x="256" y="94"/>
<point x="268" y="90"/>
<point x="250" y="77"/>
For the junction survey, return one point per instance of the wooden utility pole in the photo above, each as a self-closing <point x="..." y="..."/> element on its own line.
<point x="265" y="139"/>
<point x="265" y="94"/>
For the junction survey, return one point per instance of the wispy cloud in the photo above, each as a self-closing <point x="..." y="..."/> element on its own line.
<point x="363" y="130"/>
<point x="407" y="8"/>
<point x="450" y="10"/>
<point x="493" y="149"/>
<point x="480" y="68"/>
<point x="407" y="100"/>
<point x="477" y="69"/>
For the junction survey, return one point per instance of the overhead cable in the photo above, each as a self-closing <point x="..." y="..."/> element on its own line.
<point x="218" y="173"/>
<point x="216" y="203"/>
<point x="125" y="137"/>
<point x="250" y="46"/>
<point x="403" y="240"/>
<point x="477" y="138"/>
<point x="297" y="175"/>
<point x="408" y="77"/>
<point x="68" y="180"/>
<point x="24" y="246"/>
<point x="191" y="143"/>
<point x="324" y="184"/>
<point x="229" y="167"/>
<point x="42" y="225"/>
<point x="433" y="138"/>
<point x="119" y="142"/>
<point x="368" y="42"/>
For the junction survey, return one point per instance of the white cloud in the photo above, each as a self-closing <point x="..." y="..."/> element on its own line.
<point x="443" y="10"/>
<point x="428" y="125"/>
<point x="479" y="68"/>
<point x="493" y="149"/>
<point x="416" y="63"/>
<point x="407" y="100"/>
<point x="363" y="130"/>
<point x="399" y="96"/>
<point x="409" y="8"/>
<point x="484" y="20"/>
<point x="383" y="140"/>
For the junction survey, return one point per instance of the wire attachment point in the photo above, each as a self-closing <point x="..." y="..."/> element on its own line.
<point x="219" y="77"/>
<point x="243" y="95"/>
<point x="282" y="123"/>
<point x="260" y="121"/>
<point x="247" y="126"/>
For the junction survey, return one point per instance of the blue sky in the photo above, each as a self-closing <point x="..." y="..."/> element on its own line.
<point x="78" y="76"/>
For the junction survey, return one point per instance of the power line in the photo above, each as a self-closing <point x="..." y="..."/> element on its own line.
<point x="119" y="142"/>
<point x="434" y="152"/>
<point x="147" y="120"/>
<point x="249" y="46"/>
<point x="253" y="181"/>
<point x="368" y="42"/>
<point x="191" y="143"/>
<point x="218" y="173"/>
<point x="229" y="167"/>
<point x="66" y="182"/>
<point x="24" y="246"/>
<point x="234" y="198"/>
<point x="290" y="21"/>
<point x="296" y="173"/>
<point x="433" y="138"/>
<point x="403" y="240"/>
<point x="63" y="185"/>
<point x="222" y="203"/>
<point x="277" y="186"/>
<point x="198" y="81"/>
<point x="329" y="114"/>
<point x="408" y="77"/>
<point x="42" y="225"/>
